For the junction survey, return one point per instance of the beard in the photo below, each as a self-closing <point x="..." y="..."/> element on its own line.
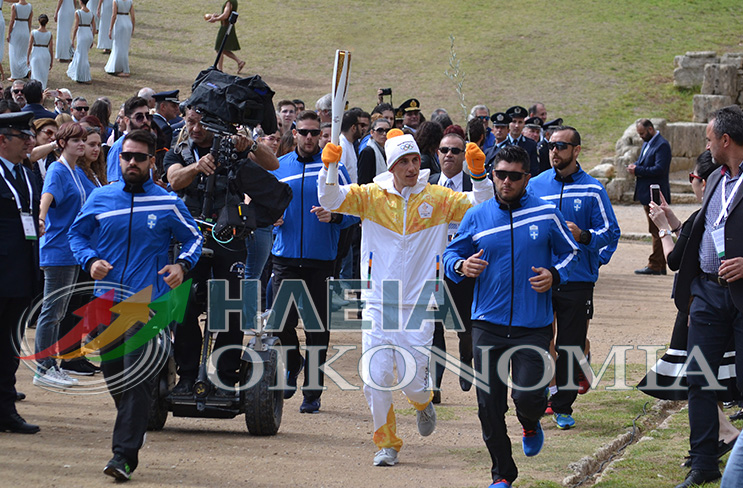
<point x="137" y="179"/>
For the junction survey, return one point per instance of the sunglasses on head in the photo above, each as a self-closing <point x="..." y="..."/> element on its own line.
<point x="139" y="157"/>
<point x="453" y="150"/>
<point x="693" y="177"/>
<point x="511" y="175"/>
<point x="559" y="145"/>
<point x="140" y="116"/>
<point x="306" y="132"/>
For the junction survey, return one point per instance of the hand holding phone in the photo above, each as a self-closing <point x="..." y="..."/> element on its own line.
<point x="655" y="194"/>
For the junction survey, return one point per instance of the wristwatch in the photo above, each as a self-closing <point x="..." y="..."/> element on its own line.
<point x="665" y="232"/>
<point x="458" y="267"/>
<point x="254" y="147"/>
<point x="585" y="237"/>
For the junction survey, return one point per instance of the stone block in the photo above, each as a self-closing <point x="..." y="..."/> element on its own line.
<point x="697" y="59"/>
<point x="688" y="77"/>
<point x="683" y="164"/>
<point x="606" y="171"/>
<point x="736" y="59"/>
<point x="704" y="105"/>
<point x="720" y="79"/>
<point x="616" y="188"/>
<point x="687" y="139"/>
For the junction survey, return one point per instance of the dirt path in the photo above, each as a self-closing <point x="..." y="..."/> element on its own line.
<point x="332" y="448"/>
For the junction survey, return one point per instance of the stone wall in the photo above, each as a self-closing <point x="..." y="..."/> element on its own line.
<point x="721" y="81"/>
<point x="687" y="140"/>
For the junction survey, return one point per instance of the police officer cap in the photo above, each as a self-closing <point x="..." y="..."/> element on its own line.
<point x="552" y="124"/>
<point x="500" y="118"/>
<point x="517" y="112"/>
<point x="410" y="105"/>
<point x="20" y="121"/>
<point x="533" y="123"/>
<point x="166" y="96"/>
<point x="399" y="113"/>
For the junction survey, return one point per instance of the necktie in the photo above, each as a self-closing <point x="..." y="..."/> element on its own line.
<point x="449" y="184"/>
<point x="20" y="185"/>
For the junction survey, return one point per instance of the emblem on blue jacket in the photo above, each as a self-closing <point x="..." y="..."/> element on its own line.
<point x="151" y="221"/>
<point x="534" y="231"/>
<point x="577" y="204"/>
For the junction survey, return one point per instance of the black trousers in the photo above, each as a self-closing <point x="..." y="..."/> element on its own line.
<point x="573" y="306"/>
<point x="188" y="335"/>
<point x="132" y="395"/>
<point x="715" y="323"/>
<point x="461" y="294"/>
<point x="316" y="280"/>
<point x="527" y="368"/>
<point x="11" y="310"/>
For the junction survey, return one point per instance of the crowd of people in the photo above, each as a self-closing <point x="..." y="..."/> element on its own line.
<point x="499" y="210"/>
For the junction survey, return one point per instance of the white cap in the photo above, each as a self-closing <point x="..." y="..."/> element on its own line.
<point x="398" y="145"/>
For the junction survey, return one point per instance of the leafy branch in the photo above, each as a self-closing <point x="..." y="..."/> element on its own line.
<point x="456" y="75"/>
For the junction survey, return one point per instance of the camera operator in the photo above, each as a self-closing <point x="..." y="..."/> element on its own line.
<point x="187" y="167"/>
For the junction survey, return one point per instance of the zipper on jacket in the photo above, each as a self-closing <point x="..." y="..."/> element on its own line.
<point x="510" y="315"/>
<point x="301" y="217"/>
<point x="128" y="241"/>
<point x="562" y="189"/>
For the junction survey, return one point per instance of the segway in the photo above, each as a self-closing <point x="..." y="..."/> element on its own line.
<point x="262" y="406"/>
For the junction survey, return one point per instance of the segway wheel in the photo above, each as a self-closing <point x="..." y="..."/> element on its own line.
<point x="263" y="407"/>
<point x="160" y="385"/>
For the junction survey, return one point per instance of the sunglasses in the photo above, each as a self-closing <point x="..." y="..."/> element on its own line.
<point x="81" y="109"/>
<point x="139" y="157"/>
<point x="453" y="150"/>
<point x="693" y="177"/>
<point x="21" y="136"/>
<point x="483" y="117"/>
<point x="68" y="100"/>
<point x="380" y="130"/>
<point x="560" y="146"/>
<point x="140" y="116"/>
<point x="311" y="132"/>
<point x="18" y="92"/>
<point x="511" y="175"/>
<point x="49" y="132"/>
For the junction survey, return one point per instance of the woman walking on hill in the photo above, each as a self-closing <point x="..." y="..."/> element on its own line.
<point x="120" y="32"/>
<point x="103" y="12"/>
<point x="40" y="52"/>
<point x="63" y="16"/>
<point x="84" y="30"/>
<point x="232" y="43"/>
<point x="18" y="35"/>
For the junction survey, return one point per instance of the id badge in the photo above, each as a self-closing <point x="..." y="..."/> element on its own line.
<point x="718" y="236"/>
<point x="28" y="226"/>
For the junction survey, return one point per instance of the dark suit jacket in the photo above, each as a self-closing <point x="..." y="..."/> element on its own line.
<point x="543" y="156"/>
<point x="463" y="291"/>
<point x="466" y="181"/>
<point x="733" y="247"/>
<point x="652" y="168"/>
<point x="529" y="145"/>
<point x="19" y="258"/>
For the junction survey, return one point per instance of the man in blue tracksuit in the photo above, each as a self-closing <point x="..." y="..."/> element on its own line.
<point x="305" y="248"/>
<point x="134" y="220"/>
<point x="517" y="246"/>
<point x="586" y="207"/>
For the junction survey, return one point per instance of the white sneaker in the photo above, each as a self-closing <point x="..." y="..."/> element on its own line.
<point x="54" y="378"/>
<point x="67" y="377"/>
<point x="427" y="420"/>
<point x="386" y="456"/>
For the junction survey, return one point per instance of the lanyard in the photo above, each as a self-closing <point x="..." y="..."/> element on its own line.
<point x="15" y="193"/>
<point x="78" y="183"/>
<point x="727" y="201"/>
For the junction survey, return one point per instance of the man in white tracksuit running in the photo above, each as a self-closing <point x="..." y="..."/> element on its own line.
<point x="404" y="233"/>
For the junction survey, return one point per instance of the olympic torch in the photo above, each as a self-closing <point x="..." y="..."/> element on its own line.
<point x="340" y="90"/>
